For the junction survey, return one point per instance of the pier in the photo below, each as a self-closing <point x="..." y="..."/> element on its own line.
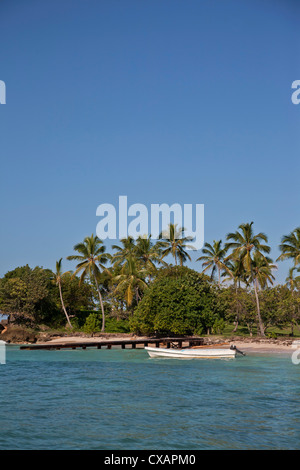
<point x="123" y="343"/>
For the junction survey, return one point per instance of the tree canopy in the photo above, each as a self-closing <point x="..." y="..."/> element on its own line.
<point x="179" y="301"/>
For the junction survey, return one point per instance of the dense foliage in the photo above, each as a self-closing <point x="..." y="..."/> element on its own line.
<point x="31" y="297"/>
<point x="178" y="301"/>
<point x="135" y="286"/>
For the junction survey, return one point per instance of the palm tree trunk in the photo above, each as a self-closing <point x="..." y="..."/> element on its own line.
<point x="63" y="306"/>
<point x="137" y="295"/>
<point x="249" y="329"/>
<point x="219" y="273"/>
<point x="260" y="322"/>
<point x="237" y="309"/>
<point x="101" y="303"/>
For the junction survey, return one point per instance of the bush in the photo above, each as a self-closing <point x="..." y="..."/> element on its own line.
<point x="271" y="335"/>
<point x="180" y="301"/>
<point x="92" y="324"/>
<point x="219" y="326"/>
<point x="112" y="325"/>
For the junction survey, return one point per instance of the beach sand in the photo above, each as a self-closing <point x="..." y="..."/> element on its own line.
<point x="263" y="348"/>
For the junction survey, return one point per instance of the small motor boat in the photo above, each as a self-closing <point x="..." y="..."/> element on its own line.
<point x="198" y="352"/>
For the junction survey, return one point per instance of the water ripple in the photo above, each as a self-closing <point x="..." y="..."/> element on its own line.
<point x="98" y="399"/>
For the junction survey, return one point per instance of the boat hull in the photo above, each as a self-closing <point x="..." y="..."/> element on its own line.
<point x="189" y="353"/>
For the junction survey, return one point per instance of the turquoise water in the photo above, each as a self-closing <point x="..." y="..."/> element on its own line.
<point x="120" y="399"/>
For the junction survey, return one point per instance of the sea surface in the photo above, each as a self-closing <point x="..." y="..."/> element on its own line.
<point x="121" y="399"/>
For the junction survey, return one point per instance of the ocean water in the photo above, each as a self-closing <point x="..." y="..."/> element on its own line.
<point x="122" y="400"/>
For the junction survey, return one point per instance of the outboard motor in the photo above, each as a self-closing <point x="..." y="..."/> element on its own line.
<point x="237" y="350"/>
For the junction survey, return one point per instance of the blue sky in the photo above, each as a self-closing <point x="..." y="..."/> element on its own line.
<point x="162" y="101"/>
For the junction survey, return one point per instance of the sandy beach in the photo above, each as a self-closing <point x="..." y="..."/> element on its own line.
<point x="263" y="348"/>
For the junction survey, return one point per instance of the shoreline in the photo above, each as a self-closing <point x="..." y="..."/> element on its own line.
<point x="247" y="345"/>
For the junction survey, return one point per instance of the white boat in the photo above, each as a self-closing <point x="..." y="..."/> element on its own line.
<point x="200" y="352"/>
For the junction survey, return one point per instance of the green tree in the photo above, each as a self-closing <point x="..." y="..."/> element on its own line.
<point x="289" y="309"/>
<point x="92" y="258"/>
<point x="58" y="281"/>
<point x="148" y="253"/>
<point x="173" y="242"/>
<point x="178" y="301"/>
<point x="291" y="281"/>
<point x="247" y="310"/>
<point x="213" y="258"/>
<point x="245" y="244"/>
<point x="236" y="272"/>
<point x="124" y="251"/>
<point x="238" y="275"/>
<point x="78" y="295"/>
<point x="92" y="324"/>
<point x="290" y="247"/>
<point x="14" y="295"/>
<point x="292" y="303"/>
<point x="27" y="291"/>
<point x="131" y="280"/>
<point x="262" y="270"/>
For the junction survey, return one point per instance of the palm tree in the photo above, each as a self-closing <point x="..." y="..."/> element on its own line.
<point x="148" y="253"/>
<point x="213" y="258"/>
<point x="292" y="282"/>
<point x="244" y="244"/>
<point x="262" y="270"/>
<point x="58" y="276"/>
<point x="123" y="252"/>
<point x="237" y="275"/>
<point x="290" y="247"/>
<point x="172" y="241"/>
<point x="92" y="257"/>
<point x="132" y="280"/>
<point x="236" y="272"/>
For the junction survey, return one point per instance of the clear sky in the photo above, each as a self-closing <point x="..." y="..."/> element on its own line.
<point x="169" y="101"/>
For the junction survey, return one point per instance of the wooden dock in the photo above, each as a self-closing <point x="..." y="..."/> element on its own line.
<point x="108" y="344"/>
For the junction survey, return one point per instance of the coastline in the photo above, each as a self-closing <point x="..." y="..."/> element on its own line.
<point x="247" y="345"/>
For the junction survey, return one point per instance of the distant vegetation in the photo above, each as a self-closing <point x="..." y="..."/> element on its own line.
<point x="135" y="289"/>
